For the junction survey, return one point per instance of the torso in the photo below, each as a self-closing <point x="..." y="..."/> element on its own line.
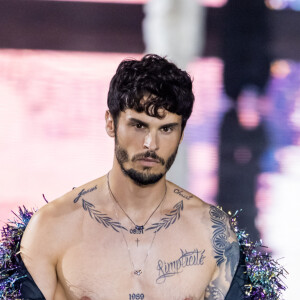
<point x="94" y="262"/>
<point x="102" y="269"/>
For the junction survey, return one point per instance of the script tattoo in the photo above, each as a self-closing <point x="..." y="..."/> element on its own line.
<point x="170" y="218"/>
<point x="83" y="192"/>
<point x="224" y="250"/>
<point x="187" y="259"/>
<point x="180" y="193"/>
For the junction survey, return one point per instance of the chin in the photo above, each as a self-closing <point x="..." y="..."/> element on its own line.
<point x="143" y="178"/>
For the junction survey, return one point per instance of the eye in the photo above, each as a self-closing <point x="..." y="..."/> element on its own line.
<point x="167" y="129"/>
<point x="138" y="125"/>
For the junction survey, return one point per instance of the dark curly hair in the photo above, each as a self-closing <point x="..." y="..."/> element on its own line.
<point x="160" y="81"/>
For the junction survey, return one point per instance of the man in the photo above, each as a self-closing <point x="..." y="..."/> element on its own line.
<point x="131" y="234"/>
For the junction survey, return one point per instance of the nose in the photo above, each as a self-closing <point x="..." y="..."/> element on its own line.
<point x="151" y="142"/>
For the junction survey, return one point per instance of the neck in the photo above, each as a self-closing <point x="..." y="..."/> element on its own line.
<point x="132" y="197"/>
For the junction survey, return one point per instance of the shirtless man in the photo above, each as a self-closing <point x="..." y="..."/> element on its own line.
<point x="132" y="234"/>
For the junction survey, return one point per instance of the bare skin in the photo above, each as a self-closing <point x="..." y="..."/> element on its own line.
<point x="74" y="247"/>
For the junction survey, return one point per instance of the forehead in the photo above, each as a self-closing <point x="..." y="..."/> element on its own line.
<point x="169" y="117"/>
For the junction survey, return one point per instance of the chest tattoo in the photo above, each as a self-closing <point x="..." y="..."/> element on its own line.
<point x="169" y="218"/>
<point x="187" y="259"/>
<point x="165" y="222"/>
<point x="135" y="296"/>
<point x="95" y="214"/>
<point x="137" y="230"/>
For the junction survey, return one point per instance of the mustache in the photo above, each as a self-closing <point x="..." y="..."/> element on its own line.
<point x="149" y="154"/>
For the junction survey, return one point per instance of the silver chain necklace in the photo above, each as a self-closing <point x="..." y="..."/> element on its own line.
<point x="136" y="271"/>
<point x="138" y="229"/>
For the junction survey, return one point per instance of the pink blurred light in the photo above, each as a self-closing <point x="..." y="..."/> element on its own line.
<point x="207" y="77"/>
<point x="53" y="137"/>
<point x="212" y="3"/>
<point x="203" y="162"/>
<point x="277" y="4"/>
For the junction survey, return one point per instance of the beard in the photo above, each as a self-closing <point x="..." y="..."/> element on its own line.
<point x="145" y="177"/>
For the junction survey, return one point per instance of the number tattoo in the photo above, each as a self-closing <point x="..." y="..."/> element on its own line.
<point x="134" y="296"/>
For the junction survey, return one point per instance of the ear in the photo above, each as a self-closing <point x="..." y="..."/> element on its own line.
<point x="181" y="138"/>
<point x="109" y="124"/>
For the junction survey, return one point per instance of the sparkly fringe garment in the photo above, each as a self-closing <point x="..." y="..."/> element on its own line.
<point x="15" y="281"/>
<point x="257" y="277"/>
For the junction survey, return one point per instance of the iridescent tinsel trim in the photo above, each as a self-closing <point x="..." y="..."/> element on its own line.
<point x="10" y="267"/>
<point x="264" y="273"/>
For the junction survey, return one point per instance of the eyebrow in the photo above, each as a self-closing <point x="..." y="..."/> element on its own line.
<point x="170" y="125"/>
<point x="133" y="120"/>
<point x="174" y="124"/>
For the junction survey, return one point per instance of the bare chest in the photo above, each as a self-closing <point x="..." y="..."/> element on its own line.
<point x="165" y="265"/>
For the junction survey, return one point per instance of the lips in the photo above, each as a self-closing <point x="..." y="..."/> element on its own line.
<point x="148" y="156"/>
<point x="149" y="162"/>
<point x="150" y="159"/>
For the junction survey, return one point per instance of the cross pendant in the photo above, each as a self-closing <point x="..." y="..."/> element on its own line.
<point x="138" y="272"/>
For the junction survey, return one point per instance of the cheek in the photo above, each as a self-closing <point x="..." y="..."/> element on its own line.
<point x="169" y="144"/>
<point x="129" y="139"/>
<point x="167" y="150"/>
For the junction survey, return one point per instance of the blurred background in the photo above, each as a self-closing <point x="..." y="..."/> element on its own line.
<point x="241" y="148"/>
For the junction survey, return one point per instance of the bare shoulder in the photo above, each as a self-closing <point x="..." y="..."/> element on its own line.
<point x="207" y="214"/>
<point x="190" y="200"/>
<point x="45" y="226"/>
<point x="50" y="231"/>
<point x="213" y="226"/>
<point x="196" y="209"/>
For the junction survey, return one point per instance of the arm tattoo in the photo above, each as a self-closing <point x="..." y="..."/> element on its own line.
<point x="213" y="292"/>
<point x="169" y="218"/>
<point x="224" y="250"/>
<point x="187" y="259"/>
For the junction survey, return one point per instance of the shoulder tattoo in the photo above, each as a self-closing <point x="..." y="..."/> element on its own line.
<point x="226" y="248"/>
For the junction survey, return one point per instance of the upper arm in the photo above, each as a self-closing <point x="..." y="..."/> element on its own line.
<point x="38" y="253"/>
<point x="226" y="254"/>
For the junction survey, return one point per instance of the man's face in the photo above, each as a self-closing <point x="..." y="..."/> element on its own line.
<point x="146" y="147"/>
